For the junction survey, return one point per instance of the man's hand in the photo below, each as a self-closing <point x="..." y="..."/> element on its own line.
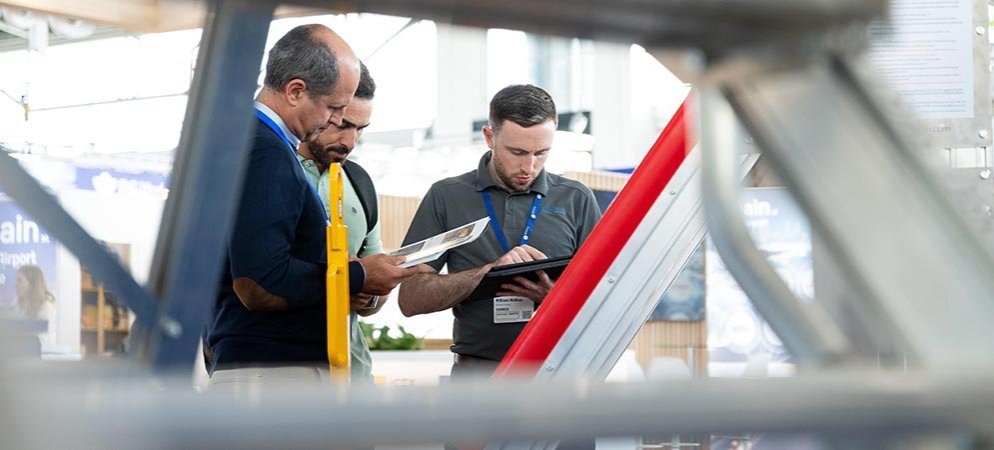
<point x="523" y="287"/>
<point x="360" y="301"/>
<point x="520" y="254"/>
<point x="383" y="273"/>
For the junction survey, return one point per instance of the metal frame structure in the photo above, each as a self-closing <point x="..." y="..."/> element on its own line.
<point x="209" y="172"/>
<point x="863" y="408"/>
<point x="804" y="328"/>
<point x="920" y="244"/>
<point x="781" y="68"/>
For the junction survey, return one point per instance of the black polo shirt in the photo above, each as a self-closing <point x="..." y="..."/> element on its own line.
<point x="568" y="214"/>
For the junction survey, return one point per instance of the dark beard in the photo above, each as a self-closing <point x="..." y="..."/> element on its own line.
<point x="508" y="181"/>
<point x="322" y="155"/>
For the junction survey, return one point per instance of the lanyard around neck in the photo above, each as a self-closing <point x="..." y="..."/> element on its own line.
<point x="276" y="129"/>
<point x="536" y="209"/>
<point x="293" y="152"/>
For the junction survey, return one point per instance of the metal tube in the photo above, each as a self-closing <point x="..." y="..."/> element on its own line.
<point x="210" y="167"/>
<point x="850" y="405"/>
<point x="811" y="340"/>
<point x="702" y="23"/>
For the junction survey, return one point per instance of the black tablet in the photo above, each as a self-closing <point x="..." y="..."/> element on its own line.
<point x="490" y="285"/>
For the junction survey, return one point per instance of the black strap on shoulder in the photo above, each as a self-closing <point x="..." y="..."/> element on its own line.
<point x="363" y="186"/>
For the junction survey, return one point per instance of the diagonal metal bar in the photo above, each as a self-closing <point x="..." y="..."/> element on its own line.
<point x="919" y="264"/>
<point x="805" y="328"/>
<point x="209" y="174"/>
<point x="99" y="261"/>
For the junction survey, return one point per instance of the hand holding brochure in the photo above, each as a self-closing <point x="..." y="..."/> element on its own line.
<point x="430" y="249"/>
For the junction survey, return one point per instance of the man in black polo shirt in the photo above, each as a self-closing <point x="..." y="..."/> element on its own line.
<point x="268" y="321"/>
<point x="534" y="215"/>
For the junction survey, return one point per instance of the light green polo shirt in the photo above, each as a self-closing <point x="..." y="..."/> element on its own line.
<point x="355" y="220"/>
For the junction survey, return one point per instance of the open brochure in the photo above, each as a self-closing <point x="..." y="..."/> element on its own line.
<point x="430" y="249"/>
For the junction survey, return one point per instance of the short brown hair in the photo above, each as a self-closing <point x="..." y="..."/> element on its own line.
<point x="523" y="104"/>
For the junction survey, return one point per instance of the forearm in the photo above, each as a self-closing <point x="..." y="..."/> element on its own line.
<point x="298" y="284"/>
<point x="257" y="298"/>
<point x="430" y="292"/>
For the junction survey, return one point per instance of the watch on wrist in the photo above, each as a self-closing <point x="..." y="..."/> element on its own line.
<point x="372" y="302"/>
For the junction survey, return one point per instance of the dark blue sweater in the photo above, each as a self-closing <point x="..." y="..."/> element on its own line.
<point x="278" y="241"/>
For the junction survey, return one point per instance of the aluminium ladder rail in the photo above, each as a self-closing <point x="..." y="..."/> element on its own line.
<point x="608" y="292"/>
<point x="588" y="268"/>
<point x="621" y="272"/>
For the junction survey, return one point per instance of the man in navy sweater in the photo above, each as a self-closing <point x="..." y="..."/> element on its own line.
<point x="268" y="321"/>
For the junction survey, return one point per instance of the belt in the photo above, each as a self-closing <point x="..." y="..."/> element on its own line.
<point x="466" y="360"/>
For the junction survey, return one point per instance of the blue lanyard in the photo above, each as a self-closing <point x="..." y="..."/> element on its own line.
<point x="536" y="209"/>
<point x="293" y="152"/>
<point x="276" y="128"/>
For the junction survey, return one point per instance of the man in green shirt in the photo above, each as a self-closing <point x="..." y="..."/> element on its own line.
<point x="315" y="155"/>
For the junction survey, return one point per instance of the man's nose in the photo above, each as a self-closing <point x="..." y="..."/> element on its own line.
<point x="529" y="163"/>
<point x="336" y="117"/>
<point x="350" y="138"/>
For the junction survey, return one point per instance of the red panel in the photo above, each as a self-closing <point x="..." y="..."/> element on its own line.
<point x="590" y="264"/>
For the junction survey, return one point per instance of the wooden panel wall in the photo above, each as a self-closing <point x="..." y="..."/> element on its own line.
<point x="684" y="340"/>
<point x="601" y="181"/>
<point x="396" y="214"/>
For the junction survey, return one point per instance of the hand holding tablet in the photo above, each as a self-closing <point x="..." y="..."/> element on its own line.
<point x="505" y="274"/>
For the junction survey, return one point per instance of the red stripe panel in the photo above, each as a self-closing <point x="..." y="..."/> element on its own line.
<point x="590" y="264"/>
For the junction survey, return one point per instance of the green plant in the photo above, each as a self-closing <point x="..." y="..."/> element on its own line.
<point x="380" y="339"/>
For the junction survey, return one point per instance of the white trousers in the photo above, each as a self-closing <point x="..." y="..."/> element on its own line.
<point x="248" y="382"/>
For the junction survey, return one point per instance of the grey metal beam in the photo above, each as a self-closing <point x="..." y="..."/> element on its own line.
<point x="849" y="405"/>
<point x="208" y="175"/>
<point x="806" y="330"/>
<point x="98" y="260"/>
<point x="700" y="23"/>
<point x="919" y="262"/>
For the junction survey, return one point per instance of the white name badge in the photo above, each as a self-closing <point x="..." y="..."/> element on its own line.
<point x="513" y="309"/>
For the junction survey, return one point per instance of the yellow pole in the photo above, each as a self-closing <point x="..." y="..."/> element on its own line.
<point x="338" y="280"/>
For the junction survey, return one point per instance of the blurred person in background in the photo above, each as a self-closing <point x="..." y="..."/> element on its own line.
<point x="35" y="302"/>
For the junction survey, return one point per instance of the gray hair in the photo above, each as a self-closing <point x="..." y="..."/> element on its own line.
<point x="299" y="55"/>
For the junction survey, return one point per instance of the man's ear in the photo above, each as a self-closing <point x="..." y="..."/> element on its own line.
<point x="488" y="134"/>
<point x="294" y="91"/>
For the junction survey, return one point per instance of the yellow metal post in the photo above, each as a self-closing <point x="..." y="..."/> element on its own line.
<point x="338" y="280"/>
